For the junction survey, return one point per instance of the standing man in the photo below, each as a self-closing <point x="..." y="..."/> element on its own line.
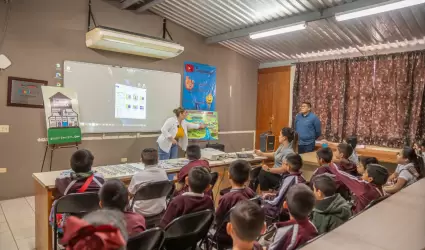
<point x="308" y="128"/>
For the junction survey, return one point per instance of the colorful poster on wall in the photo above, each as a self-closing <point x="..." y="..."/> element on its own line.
<point x="199" y="83"/>
<point x="210" y="119"/>
<point x="62" y="115"/>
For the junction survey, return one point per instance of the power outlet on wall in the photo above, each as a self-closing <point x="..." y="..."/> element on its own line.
<point x="4" y="128"/>
<point x="123" y="160"/>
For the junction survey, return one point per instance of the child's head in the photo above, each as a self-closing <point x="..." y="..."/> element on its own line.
<point x="199" y="179"/>
<point x="364" y="161"/>
<point x="193" y="152"/>
<point x="82" y="161"/>
<point x="300" y="201"/>
<point x="149" y="156"/>
<point x="246" y="222"/>
<point x="292" y="163"/>
<point x="352" y="141"/>
<point x="344" y="151"/>
<point x="408" y="155"/>
<point x="113" y="195"/>
<point x="323" y="186"/>
<point x="375" y="174"/>
<point x="324" y="156"/>
<point x="239" y="172"/>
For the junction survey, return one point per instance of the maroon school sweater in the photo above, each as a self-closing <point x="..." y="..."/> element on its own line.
<point x="68" y="183"/>
<point x="135" y="223"/>
<point x="348" y="167"/>
<point x="185" y="204"/>
<point x="340" y="187"/>
<point x="292" y="234"/>
<point x="225" y="203"/>
<point x="184" y="171"/>
<point x="365" y="192"/>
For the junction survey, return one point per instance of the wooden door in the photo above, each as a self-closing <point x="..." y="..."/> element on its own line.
<point x="273" y="100"/>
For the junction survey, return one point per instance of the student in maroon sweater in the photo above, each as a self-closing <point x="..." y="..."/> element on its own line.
<point x="298" y="230"/>
<point x="238" y="176"/>
<point x="246" y="225"/>
<point x="343" y="153"/>
<point x="192" y="201"/>
<point x="193" y="153"/>
<point x="114" y="196"/>
<point x="366" y="189"/>
<point x="363" y="162"/>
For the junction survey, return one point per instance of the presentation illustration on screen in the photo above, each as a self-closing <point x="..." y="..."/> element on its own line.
<point x="130" y="102"/>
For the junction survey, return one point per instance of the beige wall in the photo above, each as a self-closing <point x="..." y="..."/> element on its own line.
<point x="42" y="33"/>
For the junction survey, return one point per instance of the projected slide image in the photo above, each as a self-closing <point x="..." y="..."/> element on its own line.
<point x="130" y="102"/>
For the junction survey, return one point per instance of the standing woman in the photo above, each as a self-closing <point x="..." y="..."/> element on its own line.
<point x="173" y="133"/>
<point x="269" y="178"/>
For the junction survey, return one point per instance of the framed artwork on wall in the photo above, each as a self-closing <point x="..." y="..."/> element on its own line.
<point x="22" y="92"/>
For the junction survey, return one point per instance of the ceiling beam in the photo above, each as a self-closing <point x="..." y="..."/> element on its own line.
<point x="149" y="4"/>
<point x="308" y="17"/>
<point x="128" y="3"/>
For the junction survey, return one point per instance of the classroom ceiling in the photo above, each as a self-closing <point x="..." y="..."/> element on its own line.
<point x="212" y="18"/>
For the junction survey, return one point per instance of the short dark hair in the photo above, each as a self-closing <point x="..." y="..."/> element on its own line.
<point x="114" y="195"/>
<point x="82" y="161"/>
<point x="325" y="184"/>
<point x="150" y="156"/>
<point x="300" y="200"/>
<point x="193" y="152"/>
<point x="295" y="161"/>
<point x="247" y="220"/>
<point x="325" y="154"/>
<point x="368" y="160"/>
<point x="352" y="140"/>
<point x="378" y="173"/>
<point x="307" y="103"/>
<point x="239" y="171"/>
<point x="199" y="179"/>
<point x="345" y="149"/>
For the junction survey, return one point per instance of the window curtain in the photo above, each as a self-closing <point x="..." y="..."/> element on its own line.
<point x="379" y="99"/>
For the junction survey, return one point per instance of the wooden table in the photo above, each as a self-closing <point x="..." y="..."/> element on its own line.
<point x="383" y="154"/>
<point x="394" y="224"/>
<point x="45" y="186"/>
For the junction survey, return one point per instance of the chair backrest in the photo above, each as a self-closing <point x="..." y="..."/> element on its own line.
<point x="79" y="203"/>
<point x="153" y="190"/>
<point x="376" y="201"/>
<point x="214" y="178"/>
<point x="187" y="230"/>
<point x="151" y="239"/>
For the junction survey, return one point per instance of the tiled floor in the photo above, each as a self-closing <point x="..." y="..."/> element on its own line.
<point x="17" y="228"/>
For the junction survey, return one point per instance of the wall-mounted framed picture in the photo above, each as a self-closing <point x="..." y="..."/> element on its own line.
<point x="22" y="92"/>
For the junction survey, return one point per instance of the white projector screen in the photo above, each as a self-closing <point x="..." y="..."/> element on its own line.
<point x="120" y="99"/>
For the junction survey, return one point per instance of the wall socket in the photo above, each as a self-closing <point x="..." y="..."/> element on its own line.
<point x="4" y="128"/>
<point x="123" y="160"/>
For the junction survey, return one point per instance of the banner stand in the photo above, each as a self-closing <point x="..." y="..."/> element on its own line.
<point x="53" y="147"/>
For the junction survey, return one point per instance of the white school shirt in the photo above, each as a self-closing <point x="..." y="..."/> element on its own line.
<point x="150" y="174"/>
<point x="169" y="129"/>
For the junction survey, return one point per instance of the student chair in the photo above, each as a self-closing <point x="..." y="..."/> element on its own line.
<point x="76" y="204"/>
<point x="253" y="175"/>
<point x="151" y="239"/>
<point x="214" y="178"/>
<point x="153" y="190"/>
<point x="376" y="201"/>
<point x="186" y="231"/>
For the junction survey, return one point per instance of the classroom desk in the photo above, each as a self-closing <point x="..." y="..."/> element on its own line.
<point x="44" y="184"/>
<point x="383" y="154"/>
<point x="397" y="223"/>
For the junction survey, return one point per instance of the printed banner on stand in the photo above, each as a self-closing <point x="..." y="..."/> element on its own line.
<point x="199" y="86"/>
<point x="62" y="115"/>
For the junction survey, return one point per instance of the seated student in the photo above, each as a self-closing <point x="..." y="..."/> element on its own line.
<point x="410" y="169"/>
<point x="193" y="153"/>
<point x="343" y="152"/>
<point x="151" y="173"/>
<point x="419" y="147"/>
<point x="192" y="201"/>
<point x="364" y="161"/>
<point x="246" y="225"/>
<point x="331" y="209"/>
<point x="238" y="176"/>
<point x="101" y="230"/>
<point x="352" y="141"/>
<point x="79" y="179"/>
<point x="298" y="230"/>
<point x="293" y="175"/>
<point x="114" y="195"/>
<point x="366" y="189"/>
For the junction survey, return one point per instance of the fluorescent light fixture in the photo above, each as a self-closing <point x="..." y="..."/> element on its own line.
<point x="285" y="29"/>
<point x="376" y="9"/>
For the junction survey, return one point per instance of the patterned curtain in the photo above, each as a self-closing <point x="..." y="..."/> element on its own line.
<point x="379" y="99"/>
